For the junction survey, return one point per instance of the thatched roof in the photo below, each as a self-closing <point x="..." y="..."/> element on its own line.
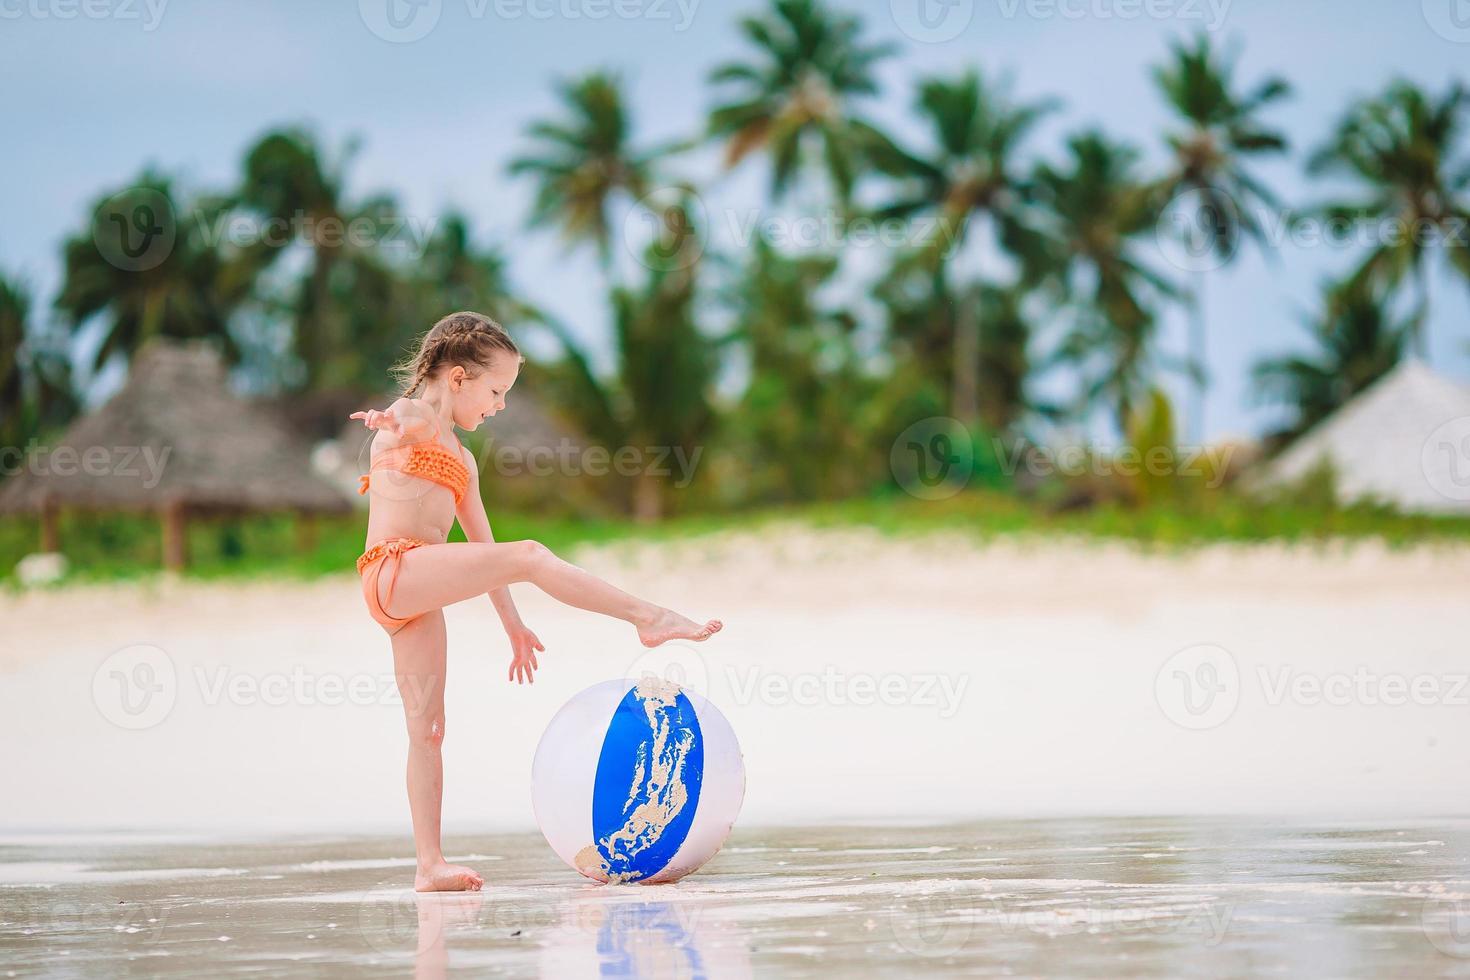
<point x="174" y="433"/>
<point x="1397" y="442"/>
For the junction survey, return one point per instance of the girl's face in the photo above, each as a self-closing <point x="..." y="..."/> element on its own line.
<point x="482" y="396"/>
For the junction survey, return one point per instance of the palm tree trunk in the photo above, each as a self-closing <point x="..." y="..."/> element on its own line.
<point x="965" y="380"/>
<point x="648" y="499"/>
<point x="1421" y="284"/>
<point x="1197" y="355"/>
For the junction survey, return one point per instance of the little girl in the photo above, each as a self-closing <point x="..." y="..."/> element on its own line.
<point x="421" y="479"/>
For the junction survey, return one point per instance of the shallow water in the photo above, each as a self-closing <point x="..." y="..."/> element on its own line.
<point x="1096" y="898"/>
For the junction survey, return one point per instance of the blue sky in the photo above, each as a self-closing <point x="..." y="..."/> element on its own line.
<point x="99" y="89"/>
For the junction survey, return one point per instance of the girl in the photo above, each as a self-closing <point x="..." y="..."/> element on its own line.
<point x="421" y="479"/>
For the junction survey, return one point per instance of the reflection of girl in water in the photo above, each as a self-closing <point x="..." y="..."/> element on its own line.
<point x="421" y="479"/>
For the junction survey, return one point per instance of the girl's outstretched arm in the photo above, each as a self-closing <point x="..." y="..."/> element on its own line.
<point x="476" y="525"/>
<point x="405" y="418"/>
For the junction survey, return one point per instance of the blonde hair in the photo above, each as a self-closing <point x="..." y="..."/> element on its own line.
<point x="471" y="340"/>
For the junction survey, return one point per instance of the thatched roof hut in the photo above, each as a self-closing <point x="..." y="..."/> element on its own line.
<point x="175" y="441"/>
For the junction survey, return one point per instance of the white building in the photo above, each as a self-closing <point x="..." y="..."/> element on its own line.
<point x="1404" y="440"/>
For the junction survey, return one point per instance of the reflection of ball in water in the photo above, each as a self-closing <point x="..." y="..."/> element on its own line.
<point x="637" y="781"/>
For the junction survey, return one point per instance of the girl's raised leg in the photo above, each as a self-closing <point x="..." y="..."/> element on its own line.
<point x="419" y="662"/>
<point x="439" y="575"/>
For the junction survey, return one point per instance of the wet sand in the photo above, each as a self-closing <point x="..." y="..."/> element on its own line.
<point x="1085" y="898"/>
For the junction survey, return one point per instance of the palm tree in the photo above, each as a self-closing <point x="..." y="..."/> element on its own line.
<point x="1404" y="149"/>
<point x="299" y="196"/>
<point x="1099" y="210"/>
<point x="795" y="95"/>
<point x="585" y="163"/>
<point x="1358" y="341"/>
<point x="972" y="175"/>
<point x="798" y="434"/>
<point x="188" y="293"/>
<point x="455" y="274"/>
<point x="1218" y="134"/>
<point x="664" y="367"/>
<point x="35" y="381"/>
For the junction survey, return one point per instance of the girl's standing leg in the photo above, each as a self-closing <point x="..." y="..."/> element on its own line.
<point x="419" y="662"/>
<point x="439" y="575"/>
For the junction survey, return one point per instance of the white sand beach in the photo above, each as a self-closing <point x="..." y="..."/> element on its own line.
<point x="868" y="679"/>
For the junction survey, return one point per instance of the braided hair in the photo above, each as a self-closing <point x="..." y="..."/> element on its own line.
<point x="470" y="340"/>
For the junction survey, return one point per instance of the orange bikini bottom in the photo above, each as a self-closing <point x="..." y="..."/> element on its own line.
<point x="385" y="555"/>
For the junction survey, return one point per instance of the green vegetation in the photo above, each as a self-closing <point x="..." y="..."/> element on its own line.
<point x="118" y="547"/>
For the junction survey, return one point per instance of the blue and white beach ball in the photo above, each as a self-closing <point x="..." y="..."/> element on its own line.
<point x="637" y="781"/>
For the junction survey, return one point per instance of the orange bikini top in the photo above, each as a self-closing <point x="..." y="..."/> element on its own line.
<point x="426" y="460"/>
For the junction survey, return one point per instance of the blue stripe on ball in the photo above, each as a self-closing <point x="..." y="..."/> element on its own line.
<point x="647" y="784"/>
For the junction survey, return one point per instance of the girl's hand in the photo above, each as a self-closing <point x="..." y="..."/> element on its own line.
<point x="385" y="419"/>
<point x="523" y="644"/>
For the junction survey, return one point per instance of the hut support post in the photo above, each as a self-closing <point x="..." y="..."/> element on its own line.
<point x="175" y="536"/>
<point x="50" y="525"/>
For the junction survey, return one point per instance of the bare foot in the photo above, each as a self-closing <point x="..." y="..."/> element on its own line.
<point x="669" y="625"/>
<point x="447" y="878"/>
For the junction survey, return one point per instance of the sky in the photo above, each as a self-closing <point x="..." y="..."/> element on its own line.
<point x="439" y="93"/>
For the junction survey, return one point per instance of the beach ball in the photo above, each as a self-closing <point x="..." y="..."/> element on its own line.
<point x="637" y="781"/>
